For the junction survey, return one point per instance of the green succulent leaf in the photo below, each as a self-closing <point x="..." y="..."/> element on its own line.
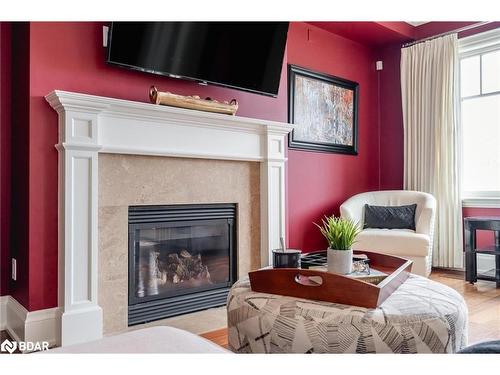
<point x="340" y="232"/>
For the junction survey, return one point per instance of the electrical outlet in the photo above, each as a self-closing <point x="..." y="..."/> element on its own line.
<point x="14" y="269"/>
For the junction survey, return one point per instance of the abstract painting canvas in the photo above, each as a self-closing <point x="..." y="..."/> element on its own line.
<point x="323" y="110"/>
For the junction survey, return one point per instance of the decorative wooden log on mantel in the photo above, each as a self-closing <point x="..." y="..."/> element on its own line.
<point x="192" y="102"/>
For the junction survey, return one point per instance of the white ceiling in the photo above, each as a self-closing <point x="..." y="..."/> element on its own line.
<point x="413" y="23"/>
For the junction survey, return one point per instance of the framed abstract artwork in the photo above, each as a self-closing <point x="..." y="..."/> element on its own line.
<point x="323" y="110"/>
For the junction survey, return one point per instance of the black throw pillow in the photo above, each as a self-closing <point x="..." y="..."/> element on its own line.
<point x="390" y="217"/>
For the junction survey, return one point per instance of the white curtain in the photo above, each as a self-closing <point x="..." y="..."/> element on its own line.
<point x="429" y="85"/>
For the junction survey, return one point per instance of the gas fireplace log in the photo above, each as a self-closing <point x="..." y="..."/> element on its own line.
<point x="176" y="269"/>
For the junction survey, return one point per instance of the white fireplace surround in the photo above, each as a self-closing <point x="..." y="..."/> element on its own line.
<point x="89" y="125"/>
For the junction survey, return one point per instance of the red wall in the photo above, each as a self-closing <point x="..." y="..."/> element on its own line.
<point x="5" y="119"/>
<point x="69" y="56"/>
<point x="319" y="182"/>
<point x="434" y="28"/>
<point x="391" y="120"/>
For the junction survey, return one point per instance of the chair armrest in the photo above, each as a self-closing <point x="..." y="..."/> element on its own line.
<point x="425" y="221"/>
<point x="353" y="209"/>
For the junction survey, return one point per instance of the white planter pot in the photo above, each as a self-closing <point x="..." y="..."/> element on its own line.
<point x="339" y="261"/>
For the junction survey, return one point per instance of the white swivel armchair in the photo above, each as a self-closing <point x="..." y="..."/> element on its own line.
<point x="414" y="245"/>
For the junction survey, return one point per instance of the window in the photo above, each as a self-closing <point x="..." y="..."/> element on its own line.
<point x="480" y="116"/>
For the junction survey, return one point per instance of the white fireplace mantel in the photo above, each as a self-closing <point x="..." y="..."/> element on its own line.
<point x="89" y="125"/>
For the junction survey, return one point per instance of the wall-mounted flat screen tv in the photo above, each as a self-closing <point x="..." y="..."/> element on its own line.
<point x="242" y="55"/>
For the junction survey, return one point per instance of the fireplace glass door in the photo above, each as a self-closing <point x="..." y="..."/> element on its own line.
<point x="183" y="254"/>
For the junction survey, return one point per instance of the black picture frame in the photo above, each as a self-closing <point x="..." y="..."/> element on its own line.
<point x="293" y="142"/>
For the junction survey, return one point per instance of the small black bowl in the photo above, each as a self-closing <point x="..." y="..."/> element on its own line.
<point x="290" y="258"/>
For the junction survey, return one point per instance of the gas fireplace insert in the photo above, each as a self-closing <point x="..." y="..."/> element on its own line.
<point x="182" y="258"/>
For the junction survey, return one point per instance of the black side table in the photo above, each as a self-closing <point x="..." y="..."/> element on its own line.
<point x="471" y="224"/>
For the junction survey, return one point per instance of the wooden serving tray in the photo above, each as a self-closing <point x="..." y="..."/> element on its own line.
<point x="346" y="290"/>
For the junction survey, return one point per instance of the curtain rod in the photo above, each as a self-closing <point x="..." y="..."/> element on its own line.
<point x="459" y="30"/>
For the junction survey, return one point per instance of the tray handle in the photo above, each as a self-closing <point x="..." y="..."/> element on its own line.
<point x="314" y="281"/>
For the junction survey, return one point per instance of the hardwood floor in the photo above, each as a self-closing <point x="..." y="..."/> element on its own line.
<point x="482" y="298"/>
<point x="483" y="301"/>
<point x="219" y="337"/>
<point x="4" y="335"/>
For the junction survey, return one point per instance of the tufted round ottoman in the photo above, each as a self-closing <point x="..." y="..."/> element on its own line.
<point x="421" y="316"/>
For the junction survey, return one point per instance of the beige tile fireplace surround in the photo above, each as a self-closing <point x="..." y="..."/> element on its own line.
<point x="115" y="153"/>
<point x="126" y="180"/>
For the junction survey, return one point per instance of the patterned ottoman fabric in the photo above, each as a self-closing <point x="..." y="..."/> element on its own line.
<point x="421" y="316"/>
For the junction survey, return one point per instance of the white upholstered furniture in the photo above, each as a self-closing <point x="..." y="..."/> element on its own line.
<point x="414" y="245"/>
<point x="148" y="340"/>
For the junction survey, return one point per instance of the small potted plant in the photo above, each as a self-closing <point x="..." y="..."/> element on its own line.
<point x="341" y="234"/>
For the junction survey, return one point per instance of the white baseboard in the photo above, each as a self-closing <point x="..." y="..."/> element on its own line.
<point x="34" y="326"/>
<point x="16" y="316"/>
<point x="3" y="312"/>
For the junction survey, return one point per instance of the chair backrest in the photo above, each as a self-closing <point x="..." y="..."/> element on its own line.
<point x="353" y="208"/>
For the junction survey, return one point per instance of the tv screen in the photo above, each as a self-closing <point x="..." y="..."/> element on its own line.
<point x="242" y="55"/>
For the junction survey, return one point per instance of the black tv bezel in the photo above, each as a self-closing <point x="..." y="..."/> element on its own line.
<point x="187" y="78"/>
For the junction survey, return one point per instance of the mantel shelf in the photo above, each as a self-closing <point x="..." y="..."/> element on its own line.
<point x="64" y="100"/>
